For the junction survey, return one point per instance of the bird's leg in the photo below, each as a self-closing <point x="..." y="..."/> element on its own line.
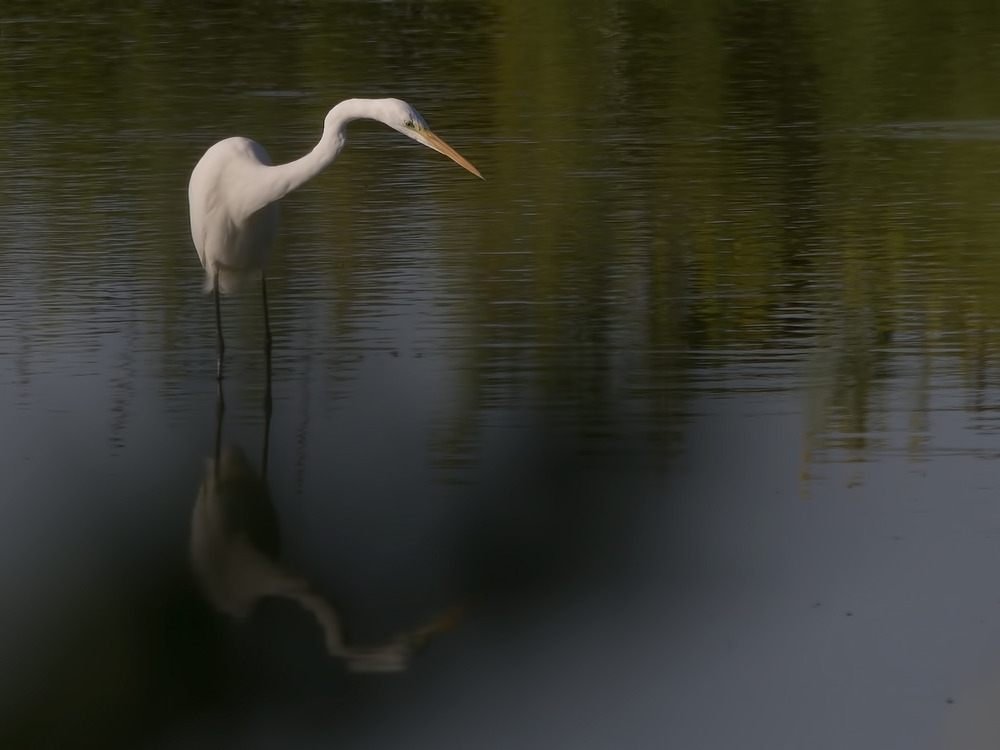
<point x="267" y="321"/>
<point x="267" y="423"/>
<point x="220" y="345"/>
<point x="220" y="409"/>
<point x="267" y="385"/>
<point x="267" y="349"/>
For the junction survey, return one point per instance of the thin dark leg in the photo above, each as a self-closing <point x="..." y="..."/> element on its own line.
<point x="267" y="362"/>
<point x="267" y="421"/>
<point x="220" y="345"/>
<point x="220" y="409"/>
<point x="267" y="320"/>
<point x="267" y="384"/>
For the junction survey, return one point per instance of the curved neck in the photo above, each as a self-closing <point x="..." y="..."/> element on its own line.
<point x="294" y="174"/>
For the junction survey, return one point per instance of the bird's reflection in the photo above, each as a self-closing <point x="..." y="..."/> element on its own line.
<point x="235" y="555"/>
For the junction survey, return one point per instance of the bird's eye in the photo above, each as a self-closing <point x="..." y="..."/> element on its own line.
<point x="408" y="123"/>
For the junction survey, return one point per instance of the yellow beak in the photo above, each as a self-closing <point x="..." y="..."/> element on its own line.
<point x="431" y="140"/>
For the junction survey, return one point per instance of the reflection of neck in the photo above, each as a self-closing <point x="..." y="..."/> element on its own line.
<point x="252" y="576"/>
<point x="232" y="527"/>
<point x="391" y="657"/>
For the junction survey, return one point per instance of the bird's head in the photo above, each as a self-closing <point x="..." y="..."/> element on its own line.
<point x="400" y="116"/>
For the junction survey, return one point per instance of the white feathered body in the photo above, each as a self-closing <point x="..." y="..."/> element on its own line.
<point x="232" y="231"/>
<point x="234" y="188"/>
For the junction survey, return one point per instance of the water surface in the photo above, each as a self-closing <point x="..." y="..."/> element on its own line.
<point x="678" y="430"/>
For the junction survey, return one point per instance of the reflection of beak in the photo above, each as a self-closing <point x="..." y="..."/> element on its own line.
<point x="431" y="140"/>
<point x="443" y="622"/>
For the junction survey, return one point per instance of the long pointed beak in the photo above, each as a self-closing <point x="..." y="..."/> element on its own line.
<point x="431" y="140"/>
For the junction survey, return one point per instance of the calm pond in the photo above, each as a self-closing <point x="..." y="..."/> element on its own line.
<point x="679" y="430"/>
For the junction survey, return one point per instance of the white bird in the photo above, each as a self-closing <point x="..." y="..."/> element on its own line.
<point x="234" y="192"/>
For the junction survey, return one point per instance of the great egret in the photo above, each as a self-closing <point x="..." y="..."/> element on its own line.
<point x="234" y="192"/>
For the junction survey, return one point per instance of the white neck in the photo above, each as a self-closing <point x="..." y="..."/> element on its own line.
<point x="295" y="174"/>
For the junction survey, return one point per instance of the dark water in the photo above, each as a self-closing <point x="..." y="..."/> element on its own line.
<point x="678" y="431"/>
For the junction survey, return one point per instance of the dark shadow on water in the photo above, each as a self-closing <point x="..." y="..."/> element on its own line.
<point x="228" y="626"/>
<point x="154" y="648"/>
<point x="140" y="650"/>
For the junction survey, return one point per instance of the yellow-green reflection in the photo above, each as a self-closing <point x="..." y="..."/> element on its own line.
<point x="667" y="185"/>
